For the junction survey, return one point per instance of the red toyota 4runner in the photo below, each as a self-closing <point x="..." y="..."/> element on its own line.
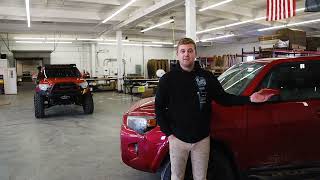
<point x="61" y="85"/>
<point x="275" y="138"/>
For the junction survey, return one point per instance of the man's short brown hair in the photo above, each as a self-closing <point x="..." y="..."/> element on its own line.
<point x="187" y="41"/>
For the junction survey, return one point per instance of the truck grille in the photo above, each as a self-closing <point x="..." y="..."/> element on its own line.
<point x="63" y="87"/>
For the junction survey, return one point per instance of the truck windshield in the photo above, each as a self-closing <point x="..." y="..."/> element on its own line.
<point x="237" y="78"/>
<point x="62" y="72"/>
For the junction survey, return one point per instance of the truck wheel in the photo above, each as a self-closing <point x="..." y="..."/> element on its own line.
<point x="219" y="167"/>
<point x="38" y="106"/>
<point x="88" y="105"/>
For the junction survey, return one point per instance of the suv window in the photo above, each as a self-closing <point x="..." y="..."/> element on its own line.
<point x="62" y="72"/>
<point x="237" y="78"/>
<point x="296" y="81"/>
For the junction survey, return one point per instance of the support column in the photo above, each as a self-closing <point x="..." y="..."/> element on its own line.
<point x="191" y="23"/>
<point x="93" y="53"/>
<point x="120" y="62"/>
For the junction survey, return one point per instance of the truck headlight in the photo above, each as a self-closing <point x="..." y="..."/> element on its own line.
<point x="44" y="87"/>
<point x="83" y="85"/>
<point x="141" y="124"/>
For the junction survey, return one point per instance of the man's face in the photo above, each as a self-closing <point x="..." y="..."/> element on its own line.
<point x="186" y="55"/>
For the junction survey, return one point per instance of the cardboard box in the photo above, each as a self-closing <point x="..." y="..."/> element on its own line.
<point x="294" y="36"/>
<point x="138" y="89"/>
<point x="149" y="92"/>
<point x="268" y="43"/>
<point x="298" y="47"/>
<point x="268" y="37"/>
<point x="313" y="43"/>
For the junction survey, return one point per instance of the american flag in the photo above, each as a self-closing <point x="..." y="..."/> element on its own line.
<point x="280" y="9"/>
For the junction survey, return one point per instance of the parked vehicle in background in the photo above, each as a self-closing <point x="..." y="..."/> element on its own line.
<point x="278" y="138"/>
<point x="61" y="85"/>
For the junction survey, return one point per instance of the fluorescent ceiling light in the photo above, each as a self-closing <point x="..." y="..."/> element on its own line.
<point x="44" y="42"/>
<point x="215" y="5"/>
<point x="117" y="12"/>
<point x="231" y="25"/>
<point x="107" y="40"/>
<point x="114" y="40"/>
<point x="157" y="42"/>
<point x="130" y="44"/>
<point x="107" y="43"/>
<point x="89" y="39"/>
<point x="300" y="9"/>
<point x="59" y="42"/>
<point x="28" y="12"/>
<point x="28" y="38"/>
<point x="61" y="39"/>
<point x="161" y="24"/>
<point x="289" y="25"/>
<point x="218" y="37"/>
<point x="30" y="42"/>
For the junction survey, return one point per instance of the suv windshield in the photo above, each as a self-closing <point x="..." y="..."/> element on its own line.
<point x="62" y="72"/>
<point x="236" y="78"/>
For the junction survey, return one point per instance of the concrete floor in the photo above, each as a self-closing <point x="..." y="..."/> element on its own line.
<point x="67" y="145"/>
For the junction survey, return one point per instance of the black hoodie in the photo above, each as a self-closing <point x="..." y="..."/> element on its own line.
<point x="183" y="102"/>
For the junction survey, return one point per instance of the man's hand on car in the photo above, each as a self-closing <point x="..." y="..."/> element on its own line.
<point x="260" y="96"/>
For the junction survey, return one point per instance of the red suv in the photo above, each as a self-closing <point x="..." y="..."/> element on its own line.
<point x="61" y="85"/>
<point x="278" y="138"/>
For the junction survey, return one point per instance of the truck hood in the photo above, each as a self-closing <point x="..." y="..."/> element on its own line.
<point x="144" y="105"/>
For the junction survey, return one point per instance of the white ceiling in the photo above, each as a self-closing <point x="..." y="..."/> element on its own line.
<point x="82" y="18"/>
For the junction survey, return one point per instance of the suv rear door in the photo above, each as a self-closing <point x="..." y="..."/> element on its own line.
<point x="291" y="122"/>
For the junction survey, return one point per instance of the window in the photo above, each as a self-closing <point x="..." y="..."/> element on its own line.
<point x="296" y="81"/>
<point x="237" y="78"/>
<point x="62" y="72"/>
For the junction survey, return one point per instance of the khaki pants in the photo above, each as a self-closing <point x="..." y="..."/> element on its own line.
<point x="179" y="153"/>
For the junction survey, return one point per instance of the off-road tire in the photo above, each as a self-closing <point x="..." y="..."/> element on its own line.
<point x="39" y="106"/>
<point x="220" y="167"/>
<point x="87" y="104"/>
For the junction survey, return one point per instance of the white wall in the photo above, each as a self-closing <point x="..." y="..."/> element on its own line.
<point x="72" y="54"/>
<point x="61" y="53"/>
<point x="230" y="48"/>
<point x="79" y="54"/>
<point x="133" y="55"/>
<point x="4" y="50"/>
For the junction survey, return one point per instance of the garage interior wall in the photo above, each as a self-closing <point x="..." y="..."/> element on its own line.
<point x="227" y="48"/>
<point x="132" y="56"/>
<point x="4" y="50"/>
<point x="79" y="54"/>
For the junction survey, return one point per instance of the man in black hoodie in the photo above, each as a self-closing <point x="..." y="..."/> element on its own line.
<point x="183" y="109"/>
